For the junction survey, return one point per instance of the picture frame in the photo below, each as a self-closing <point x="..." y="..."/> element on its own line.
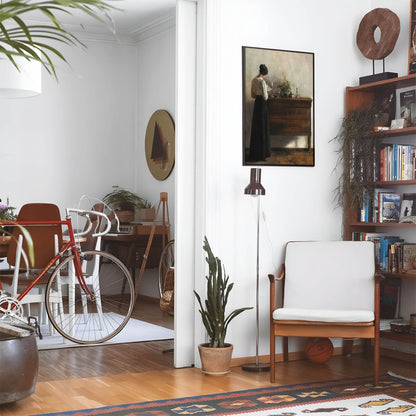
<point x="160" y="144"/>
<point x="278" y="107"/>
<point x="412" y="38"/>
<point x="406" y="105"/>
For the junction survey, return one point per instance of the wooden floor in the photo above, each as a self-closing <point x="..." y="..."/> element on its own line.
<point x="88" y="377"/>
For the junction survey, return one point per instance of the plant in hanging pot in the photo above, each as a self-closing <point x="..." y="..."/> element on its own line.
<point x="123" y="202"/>
<point x="357" y="155"/>
<point x="216" y="355"/>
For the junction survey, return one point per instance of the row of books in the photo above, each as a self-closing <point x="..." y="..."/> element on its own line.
<point x="397" y="162"/>
<point x="392" y="253"/>
<point x="389" y="206"/>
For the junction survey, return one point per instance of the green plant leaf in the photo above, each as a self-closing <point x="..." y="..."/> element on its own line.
<point x="213" y="309"/>
<point x="18" y="40"/>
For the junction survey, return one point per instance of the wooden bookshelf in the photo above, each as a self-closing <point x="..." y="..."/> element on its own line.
<point x="360" y="97"/>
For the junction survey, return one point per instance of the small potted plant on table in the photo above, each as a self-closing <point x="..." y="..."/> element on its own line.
<point x="123" y="202"/>
<point x="216" y="355"/>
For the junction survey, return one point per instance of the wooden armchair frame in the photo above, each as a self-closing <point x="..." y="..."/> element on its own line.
<point x="297" y="328"/>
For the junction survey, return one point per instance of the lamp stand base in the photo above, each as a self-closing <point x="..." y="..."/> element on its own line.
<point x="254" y="367"/>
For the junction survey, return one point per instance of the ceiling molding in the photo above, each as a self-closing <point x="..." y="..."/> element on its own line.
<point x="159" y="25"/>
<point x="133" y="35"/>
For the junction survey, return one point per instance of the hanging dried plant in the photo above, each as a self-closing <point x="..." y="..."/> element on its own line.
<point x="358" y="156"/>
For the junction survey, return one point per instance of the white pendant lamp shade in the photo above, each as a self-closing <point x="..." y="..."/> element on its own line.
<point x="23" y="83"/>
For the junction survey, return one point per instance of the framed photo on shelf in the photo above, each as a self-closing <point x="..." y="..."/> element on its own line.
<point x="412" y="38"/>
<point x="406" y="105"/>
<point x="278" y="107"/>
<point x="408" y="208"/>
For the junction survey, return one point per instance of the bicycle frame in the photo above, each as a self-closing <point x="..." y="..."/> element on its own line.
<point x="70" y="245"/>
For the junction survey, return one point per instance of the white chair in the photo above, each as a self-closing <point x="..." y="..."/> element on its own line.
<point x="330" y="289"/>
<point x="90" y="240"/>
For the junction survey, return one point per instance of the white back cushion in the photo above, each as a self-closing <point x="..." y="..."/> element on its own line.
<point x="335" y="275"/>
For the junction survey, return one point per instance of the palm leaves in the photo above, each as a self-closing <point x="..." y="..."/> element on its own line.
<point x="218" y="290"/>
<point x="33" y="41"/>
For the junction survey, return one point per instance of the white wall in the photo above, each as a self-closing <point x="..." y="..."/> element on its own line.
<point x="78" y="136"/>
<point x="299" y="200"/>
<point x="155" y="91"/>
<point x="92" y="121"/>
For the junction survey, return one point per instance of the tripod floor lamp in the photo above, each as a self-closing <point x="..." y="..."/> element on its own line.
<point x="256" y="189"/>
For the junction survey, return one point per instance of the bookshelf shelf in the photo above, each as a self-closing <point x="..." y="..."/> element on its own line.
<point x="402" y="275"/>
<point x="408" y="338"/>
<point x="395" y="183"/>
<point x="392" y="83"/>
<point x="408" y="131"/>
<point x="383" y="224"/>
<point x="361" y="97"/>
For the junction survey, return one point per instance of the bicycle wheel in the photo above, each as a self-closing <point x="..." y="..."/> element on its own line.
<point x="167" y="261"/>
<point x="84" y="319"/>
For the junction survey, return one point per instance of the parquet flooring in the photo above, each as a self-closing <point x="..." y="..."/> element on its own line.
<point x="89" y="377"/>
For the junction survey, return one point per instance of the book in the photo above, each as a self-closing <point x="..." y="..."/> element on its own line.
<point x="408" y="107"/>
<point x="396" y="162"/>
<point x="408" y="208"/>
<point x="389" y="299"/>
<point x="408" y="256"/>
<point x="384" y="251"/>
<point x="389" y="207"/>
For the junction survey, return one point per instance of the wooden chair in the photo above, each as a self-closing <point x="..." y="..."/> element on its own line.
<point x="46" y="241"/>
<point x="330" y="289"/>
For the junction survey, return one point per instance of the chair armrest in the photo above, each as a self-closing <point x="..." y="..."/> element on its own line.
<point x="378" y="277"/>
<point x="280" y="275"/>
<point x="272" y="278"/>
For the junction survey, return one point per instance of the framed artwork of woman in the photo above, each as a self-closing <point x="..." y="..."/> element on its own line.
<point x="278" y="107"/>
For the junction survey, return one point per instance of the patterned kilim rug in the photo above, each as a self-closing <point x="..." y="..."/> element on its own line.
<point x="349" y="397"/>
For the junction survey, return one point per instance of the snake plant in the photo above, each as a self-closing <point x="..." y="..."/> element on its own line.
<point x="33" y="41"/>
<point x="218" y="289"/>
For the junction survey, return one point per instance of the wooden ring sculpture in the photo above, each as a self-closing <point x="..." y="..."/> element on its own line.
<point x="389" y="25"/>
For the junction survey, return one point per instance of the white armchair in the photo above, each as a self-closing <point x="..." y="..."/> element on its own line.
<point x="330" y="289"/>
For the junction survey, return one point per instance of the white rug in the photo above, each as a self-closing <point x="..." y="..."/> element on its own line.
<point x="134" y="331"/>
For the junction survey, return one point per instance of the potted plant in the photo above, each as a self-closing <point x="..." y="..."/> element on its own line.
<point x="216" y="355"/>
<point x="123" y="202"/>
<point x="145" y="211"/>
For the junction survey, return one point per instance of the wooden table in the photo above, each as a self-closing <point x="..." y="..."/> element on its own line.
<point x="291" y="117"/>
<point x="131" y="248"/>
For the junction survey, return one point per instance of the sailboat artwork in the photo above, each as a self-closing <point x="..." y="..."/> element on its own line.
<point x="160" y="144"/>
<point x="159" y="154"/>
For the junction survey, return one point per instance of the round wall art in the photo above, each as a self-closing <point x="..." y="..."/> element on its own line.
<point x="160" y="144"/>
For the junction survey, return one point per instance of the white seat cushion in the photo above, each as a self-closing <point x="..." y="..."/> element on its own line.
<point x="323" y="315"/>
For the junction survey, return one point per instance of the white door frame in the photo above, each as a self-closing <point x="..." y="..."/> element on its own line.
<point x="196" y="165"/>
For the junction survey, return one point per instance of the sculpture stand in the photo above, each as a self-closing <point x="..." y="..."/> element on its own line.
<point x="381" y="76"/>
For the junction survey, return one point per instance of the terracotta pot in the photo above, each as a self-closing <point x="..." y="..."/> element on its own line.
<point x="125" y="216"/>
<point x="215" y="361"/>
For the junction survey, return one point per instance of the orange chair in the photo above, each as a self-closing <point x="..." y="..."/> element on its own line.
<point x="330" y="290"/>
<point x="47" y="239"/>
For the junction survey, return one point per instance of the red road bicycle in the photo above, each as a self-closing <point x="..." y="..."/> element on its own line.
<point x="89" y="295"/>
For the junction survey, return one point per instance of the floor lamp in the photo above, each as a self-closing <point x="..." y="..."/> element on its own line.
<point x="256" y="189"/>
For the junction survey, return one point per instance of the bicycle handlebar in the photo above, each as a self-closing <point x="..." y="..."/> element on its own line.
<point x="87" y="214"/>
